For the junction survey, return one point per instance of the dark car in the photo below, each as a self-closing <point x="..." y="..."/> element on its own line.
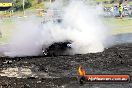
<point x="58" y="48"/>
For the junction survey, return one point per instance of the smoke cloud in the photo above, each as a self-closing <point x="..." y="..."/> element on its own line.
<point x="81" y="24"/>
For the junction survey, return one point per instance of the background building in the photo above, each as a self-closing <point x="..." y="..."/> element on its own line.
<point x="6" y="4"/>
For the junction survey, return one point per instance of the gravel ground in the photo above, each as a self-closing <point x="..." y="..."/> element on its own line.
<point x="61" y="71"/>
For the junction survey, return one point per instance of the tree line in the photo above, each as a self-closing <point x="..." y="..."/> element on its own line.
<point x="18" y="4"/>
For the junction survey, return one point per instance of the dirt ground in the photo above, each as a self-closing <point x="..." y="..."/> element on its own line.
<point x="61" y="71"/>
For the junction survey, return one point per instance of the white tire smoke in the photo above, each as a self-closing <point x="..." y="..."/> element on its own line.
<point x="80" y="23"/>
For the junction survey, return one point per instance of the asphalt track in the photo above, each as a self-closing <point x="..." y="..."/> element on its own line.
<point x="61" y="71"/>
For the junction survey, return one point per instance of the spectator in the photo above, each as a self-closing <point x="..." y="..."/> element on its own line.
<point x="120" y="10"/>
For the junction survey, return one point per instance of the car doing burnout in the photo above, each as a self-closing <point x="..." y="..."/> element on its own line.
<point x="58" y="48"/>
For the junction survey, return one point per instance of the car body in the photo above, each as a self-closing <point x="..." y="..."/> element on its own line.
<point x="57" y="48"/>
